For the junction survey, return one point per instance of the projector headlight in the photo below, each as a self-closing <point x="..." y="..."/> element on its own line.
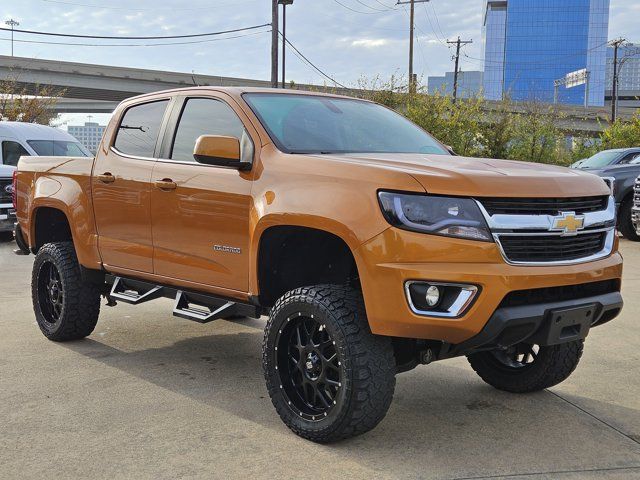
<point x="448" y="216"/>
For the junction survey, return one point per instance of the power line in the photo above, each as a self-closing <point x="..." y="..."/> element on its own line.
<point x="373" y="8"/>
<point x="354" y="10"/>
<point x="42" y="42"/>
<point x="316" y="68"/>
<point x="109" y="37"/>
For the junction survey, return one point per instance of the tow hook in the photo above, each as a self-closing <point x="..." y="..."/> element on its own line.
<point x="426" y="356"/>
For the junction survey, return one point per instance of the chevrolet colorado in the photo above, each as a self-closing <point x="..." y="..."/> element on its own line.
<point x="370" y="246"/>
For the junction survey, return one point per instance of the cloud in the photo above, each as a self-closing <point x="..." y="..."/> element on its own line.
<point x="370" y="43"/>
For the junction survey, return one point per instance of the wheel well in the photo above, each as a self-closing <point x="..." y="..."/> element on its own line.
<point x="291" y="257"/>
<point x="51" y="225"/>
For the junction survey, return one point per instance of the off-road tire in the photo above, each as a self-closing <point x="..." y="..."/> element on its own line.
<point x="626" y="226"/>
<point x="80" y="301"/>
<point x="367" y="362"/>
<point x="552" y="366"/>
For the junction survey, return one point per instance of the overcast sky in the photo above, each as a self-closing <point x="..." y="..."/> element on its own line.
<point x="360" y="38"/>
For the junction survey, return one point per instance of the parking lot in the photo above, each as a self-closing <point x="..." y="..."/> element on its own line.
<point x="148" y="395"/>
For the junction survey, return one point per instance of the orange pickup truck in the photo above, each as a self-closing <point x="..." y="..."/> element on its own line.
<point x="370" y="246"/>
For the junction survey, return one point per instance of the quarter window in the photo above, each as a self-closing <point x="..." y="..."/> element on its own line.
<point x="205" y="116"/>
<point x="139" y="128"/>
<point x="11" y="152"/>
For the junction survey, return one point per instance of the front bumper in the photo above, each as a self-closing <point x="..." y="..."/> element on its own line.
<point x="7" y="218"/>
<point x="389" y="260"/>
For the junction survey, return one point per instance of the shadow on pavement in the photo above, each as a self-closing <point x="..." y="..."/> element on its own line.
<point x="440" y="413"/>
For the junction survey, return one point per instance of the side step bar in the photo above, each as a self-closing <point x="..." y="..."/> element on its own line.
<point x="134" y="292"/>
<point x="199" y="307"/>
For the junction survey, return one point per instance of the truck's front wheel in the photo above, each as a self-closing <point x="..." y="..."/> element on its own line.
<point x="328" y="376"/>
<point x="66" y="307"/>
<point x="527" y="368"/>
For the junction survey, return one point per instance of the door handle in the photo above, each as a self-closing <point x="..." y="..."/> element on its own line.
<point x="165" y="184"/>
<point x="106" y="177"/>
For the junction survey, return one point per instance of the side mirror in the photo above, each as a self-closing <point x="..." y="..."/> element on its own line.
<point x="219" y="150"/>
<point x="450" y="150"/>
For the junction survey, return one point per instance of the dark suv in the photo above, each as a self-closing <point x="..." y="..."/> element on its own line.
<point x="622" y="167"/>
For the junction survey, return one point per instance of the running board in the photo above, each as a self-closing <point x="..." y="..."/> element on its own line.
<point x="134" y="292"/>
<point x="199" y="307"/>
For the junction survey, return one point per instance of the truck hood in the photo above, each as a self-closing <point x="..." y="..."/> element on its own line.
<point x="483" y="177"/>
<point x="6" y="171"/>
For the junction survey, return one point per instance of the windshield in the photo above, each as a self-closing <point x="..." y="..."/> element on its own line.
<point x="59" y="148"/>
<point x="317" y="124"/>
<point x="600" y="159"/>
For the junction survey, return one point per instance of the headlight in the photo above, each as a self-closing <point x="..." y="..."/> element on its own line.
<point x="449" y="216"/>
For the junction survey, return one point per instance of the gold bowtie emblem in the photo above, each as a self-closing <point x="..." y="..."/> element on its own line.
<point x="568" y="222"/>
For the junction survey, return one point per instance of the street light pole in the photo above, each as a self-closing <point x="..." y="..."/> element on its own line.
<point x="412" y="79"/>
<point x="284" y="4"/>
<point x="274" y="43"/>
<point x="12" y="23"/>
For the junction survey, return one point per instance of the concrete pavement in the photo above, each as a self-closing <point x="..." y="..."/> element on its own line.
<point x="148" y="395"/>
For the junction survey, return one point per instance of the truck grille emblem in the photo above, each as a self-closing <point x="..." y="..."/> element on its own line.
<point x="568" y="223"/>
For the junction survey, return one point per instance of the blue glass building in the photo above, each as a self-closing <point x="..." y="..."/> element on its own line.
<point x="530" y="43"/>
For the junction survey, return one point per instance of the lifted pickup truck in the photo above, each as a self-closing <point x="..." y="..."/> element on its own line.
<point x="371" y="248"/>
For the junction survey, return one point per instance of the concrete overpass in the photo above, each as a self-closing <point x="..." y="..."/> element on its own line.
<point x="89" y="88"/>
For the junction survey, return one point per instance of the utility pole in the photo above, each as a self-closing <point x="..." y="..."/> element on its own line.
<point x="284" y="4"/>
<point x="274" y="43"/>
<point x="458" y="43"/>
<point x="412" y="76"/>
<point x="614" y="88"/>
<point x="12" y="23"/>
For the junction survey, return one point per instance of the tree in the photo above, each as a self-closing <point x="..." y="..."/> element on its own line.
<point x="537" y="136"/>
<point x="19" y="104"/>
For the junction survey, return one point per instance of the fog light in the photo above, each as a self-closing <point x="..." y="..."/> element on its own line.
<point x="433" y="296"/>
<point x="438" y="299"/>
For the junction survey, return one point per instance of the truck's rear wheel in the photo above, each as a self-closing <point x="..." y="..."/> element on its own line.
<point x="66" y="308"/>
<point x="328" y="376"/>
<point x="527" y="368"/>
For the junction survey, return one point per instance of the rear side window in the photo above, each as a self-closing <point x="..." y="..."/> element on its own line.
<point x="11" y="152"/>
<point x="204" y="116"/>
<point x="139" y="128"/>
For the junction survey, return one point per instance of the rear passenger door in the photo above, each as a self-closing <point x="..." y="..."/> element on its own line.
<point x="201" y="223"/>
<point x="122" y="189"/>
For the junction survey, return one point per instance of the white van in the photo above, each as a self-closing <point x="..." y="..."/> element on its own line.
<point x="17" y="139"/>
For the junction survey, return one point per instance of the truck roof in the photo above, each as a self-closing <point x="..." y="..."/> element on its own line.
<point x="23" y="131"/>
<point x="238" y="91"/>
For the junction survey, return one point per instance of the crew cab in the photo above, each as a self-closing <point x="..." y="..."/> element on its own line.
<point x="369" y="246"/>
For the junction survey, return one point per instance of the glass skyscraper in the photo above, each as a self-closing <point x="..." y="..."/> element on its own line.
<point x="530" y="43"/>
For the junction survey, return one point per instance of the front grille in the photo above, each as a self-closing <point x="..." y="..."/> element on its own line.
<point x="555" y="294"/>
<point x="551" y="248"/>
<point x="543" y="206"/>
<point x="5" y="196"/>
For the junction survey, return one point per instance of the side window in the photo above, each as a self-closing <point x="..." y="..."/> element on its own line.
<point x="139" y="129"/>
<point x="11" y="152"/>
<point x="205" y="116"/>
<point x="628" y="159"/>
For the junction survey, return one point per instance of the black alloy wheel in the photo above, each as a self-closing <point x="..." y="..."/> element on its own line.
<point x="310" y="370"/>
<point x="517" y="356"/>
<point x="51" y="294"/>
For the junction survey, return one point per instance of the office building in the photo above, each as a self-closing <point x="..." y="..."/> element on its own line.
<point x="469" y="84"/>
<point x="528" y="44"/>
<point x="88" y="134"/>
